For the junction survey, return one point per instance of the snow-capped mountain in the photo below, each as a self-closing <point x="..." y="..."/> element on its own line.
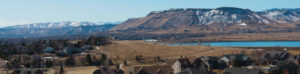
<point x="54" y="29"/>
<point x="220" y="20"/>
<point x="283" y="15"/>
<point x="190" y="17"/>
<point x="57" y="25"/>
<point x="218" y="15"/>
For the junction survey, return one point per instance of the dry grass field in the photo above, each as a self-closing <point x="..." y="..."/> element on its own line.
<point x="77" y="70"/>
<point x="252" y="37"/>
<point x="81" y="70"/>
<point x="128" y="50"/>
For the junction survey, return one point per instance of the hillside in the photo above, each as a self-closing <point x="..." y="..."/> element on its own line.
<point x="224" y="20"/>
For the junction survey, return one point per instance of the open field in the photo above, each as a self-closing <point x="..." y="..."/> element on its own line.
<point x="81" y="70"/>
<point x="128" y="50"/>
<point x="76" y="70"/>
<point x="251" y="37"/>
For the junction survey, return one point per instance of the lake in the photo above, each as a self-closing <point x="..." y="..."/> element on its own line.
<point x="244" y="44"/>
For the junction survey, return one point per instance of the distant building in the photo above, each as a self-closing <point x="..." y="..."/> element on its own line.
<point x="87" y="47"/>
<point x="228" y="59"/>
<point x="142" y="71"/>
<point x="287" y="67"/>
<point x="180" y="65"/>
<point x="177" y="67"/>
<point x="72" y="50"/>
<point x="31" y="71"/>
<point x="208" y="63"/>
<point x="201" y="65"/>
<point x="49" y="58"/>
<point x="48" y="50"/>
<point x="108" y="71"/>
<point x="194" y="71"/>
<point x="151" y="40"/>
<point x="242" y="71"/>
<point x="157" y="69"/>
<point x="273" y="56"/>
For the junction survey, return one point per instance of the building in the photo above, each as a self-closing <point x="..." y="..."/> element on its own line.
<point x="194" y="71"/>
<point x="156" y="69"/>
<point x="72" y="50"/>
<point x="181" y="64"/>
<point x="228" y="59"/>
<point x="151" y="40"/>
<point x="48" y="50"/>
<point x="108" y="71"/>
<point x="242" y="71"/>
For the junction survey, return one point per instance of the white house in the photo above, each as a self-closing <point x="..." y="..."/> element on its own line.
<point x="177" y="67"/>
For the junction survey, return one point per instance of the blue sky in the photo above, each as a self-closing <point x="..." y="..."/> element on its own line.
<point x="14" y="12"/>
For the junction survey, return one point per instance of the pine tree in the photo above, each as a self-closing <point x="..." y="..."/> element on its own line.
<point x="89" y="59"/>
<point x="61" y="71"/>
<point x="158" y="58"/>
<point x="237" y="62"/>
<point x="103" y="59"/>
<point x="49" y="64"/>
<point x="137" y="58"/>
<point x="70" y="61"/>
<point x="125" y="62"/>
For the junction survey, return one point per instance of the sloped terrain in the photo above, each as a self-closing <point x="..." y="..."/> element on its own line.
<point x="219" y="20"/>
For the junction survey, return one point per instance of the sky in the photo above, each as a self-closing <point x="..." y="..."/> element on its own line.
<point x="13" y="12"/>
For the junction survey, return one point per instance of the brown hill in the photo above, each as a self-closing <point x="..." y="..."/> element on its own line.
<point x="197" y="20"/>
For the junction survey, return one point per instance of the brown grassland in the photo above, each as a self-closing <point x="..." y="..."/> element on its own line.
<point x="252" y="37"/>
<point x="128" y="50"/>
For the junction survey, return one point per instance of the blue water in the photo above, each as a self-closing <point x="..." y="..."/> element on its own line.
<point x="244" y="44"/>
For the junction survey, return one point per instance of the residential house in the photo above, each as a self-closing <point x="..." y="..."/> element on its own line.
<point x="242" y="71"/>
<point x="287" y="66"/>
<point x="108" y="71"/>
<point x="295" y="59"/>
<point x="274" y="56"/>
<point x="176" y="67"/>
<point x="31" y="71"/>
<point x="194" y="71"/>
<point x="181" y="64"/>
<point x="60" y="53"/>
<point x="228" y="59"/>
<point x="72" y="50"/>
<point x="87" y="47"/>
<point x="206" y="63"/>
<point x="48" y="50"/>
<point x="142" y="71"/>
<point x="156" y="69"/>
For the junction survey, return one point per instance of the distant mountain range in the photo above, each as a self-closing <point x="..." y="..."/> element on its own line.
<point x="54" y="29"/>
<point x="182" y="21"/>
<point x="219" y="20"/>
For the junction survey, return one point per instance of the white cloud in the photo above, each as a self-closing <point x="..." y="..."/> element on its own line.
<point x="4" y="23"/>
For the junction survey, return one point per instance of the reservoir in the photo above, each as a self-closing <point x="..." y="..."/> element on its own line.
<point x="244" y="44"/>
